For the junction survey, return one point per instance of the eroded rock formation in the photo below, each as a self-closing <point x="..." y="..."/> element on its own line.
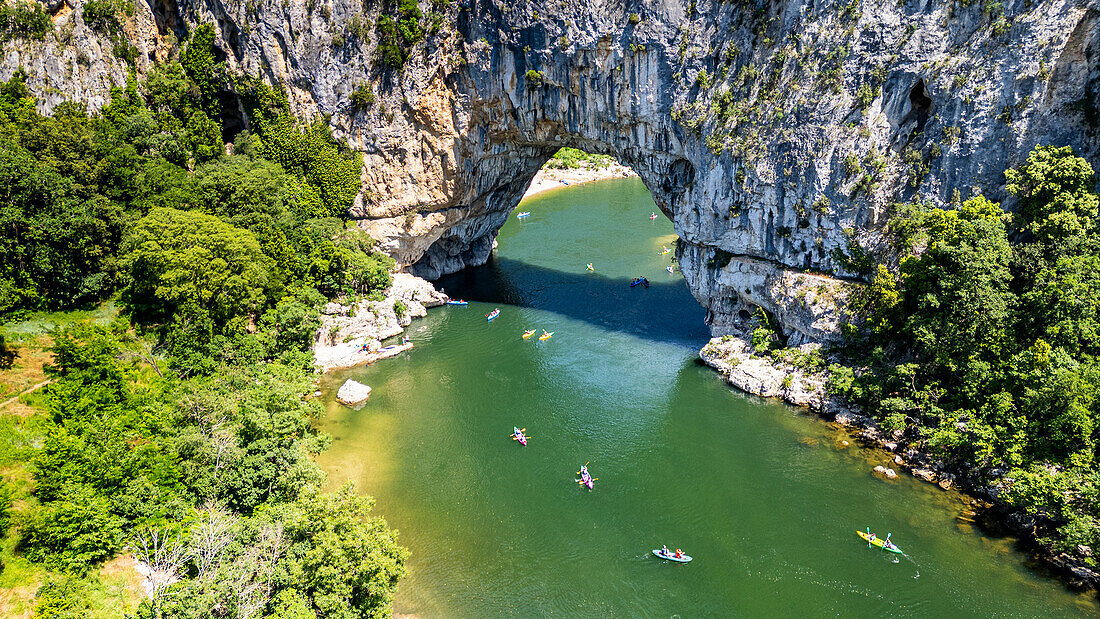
<point x="773" y="134"/>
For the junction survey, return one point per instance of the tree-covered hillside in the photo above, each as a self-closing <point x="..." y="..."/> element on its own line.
<point x="184" y="432"/>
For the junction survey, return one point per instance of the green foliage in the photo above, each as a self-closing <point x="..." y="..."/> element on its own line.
<point x="568" y="158"/>
<point x="101" y="15"/>
<point x="24" y="20"/>
<point x="362" y="98"/>
<point x="991" y="348"/>
<point x="865" y="95"/>
<point x="398" y="34"/>
<point x="6" y="495"/>
<point x="399" y="309"/>
<point x="341" y="560"/>
<point x="206" y="75"/>
<point x="533" y="79"/>
<point x="73" y="533"/>
<point x="634" y="19"/>
<point x="702" y="79"/>
<point x="186" y="261"/>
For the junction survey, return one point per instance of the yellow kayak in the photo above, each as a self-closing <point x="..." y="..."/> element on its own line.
<point x="527" y="334"/>
<point x="879" y="542"/>
<point x="546" y="336"/>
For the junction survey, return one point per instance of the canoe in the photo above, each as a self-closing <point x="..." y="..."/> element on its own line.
<point x="636" y="282"/>
<point x="878" y="541"/>
<point x="517" y="435"/>
<point x="586" y="477"/>
<point x="546" y="336"/>
<point x="527" y="334"/>
<point x="456" y="302"/>
<point x="671" y="557"/>
<point x="491" y="315"/>
<point x="523" y="214"/>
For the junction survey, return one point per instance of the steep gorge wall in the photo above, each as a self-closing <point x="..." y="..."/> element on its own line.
<point x="773" y="134"/>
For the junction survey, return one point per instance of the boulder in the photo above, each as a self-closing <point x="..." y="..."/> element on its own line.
<point x="352" y="393"/>
<point x="925" y="474"/>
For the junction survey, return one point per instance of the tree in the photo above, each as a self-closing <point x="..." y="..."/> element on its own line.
<point x="176" y="259"/>
<point x="74" y="533"/>
<point x="957" y="292"/>
<point x="1054" y="187"/>
<point x="343" y="561"/>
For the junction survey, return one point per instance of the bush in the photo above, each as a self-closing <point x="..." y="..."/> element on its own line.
<point x="74" y="533"/>
<point x="399" y="309"/>
<point x="634" y="19"/>
<point x="534" y="79"/>
<point x="25" y="20"/>
<point x="101" y="15"/>
<point x="362" y="98"/>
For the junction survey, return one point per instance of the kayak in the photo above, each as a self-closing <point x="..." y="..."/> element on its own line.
<point x="653" y="216"/>
<point x="456" y="302"/>
<point x="589" y="265"/>
<point x="517" y="435"/>
<point x="546" y="336"/>
<point x="491" y="315"/>
<point x="671" y="557"/>
<point x="586" y="478"/>
<point x="664" y="250"/>
<point x="637" y="280"/>
<point x="527" y="334"/>
<point x="879" y="542"/>
<point x="669" y="269"/>
<point x="523" y="214"/>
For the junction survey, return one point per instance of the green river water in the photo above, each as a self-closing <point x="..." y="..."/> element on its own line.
<point x="760" y="494"/>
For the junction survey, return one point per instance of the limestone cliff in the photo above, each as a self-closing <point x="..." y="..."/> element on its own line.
<point x="773" y="134"/>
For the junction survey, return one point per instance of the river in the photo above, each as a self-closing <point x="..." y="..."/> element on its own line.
<point x="762" y="495"/>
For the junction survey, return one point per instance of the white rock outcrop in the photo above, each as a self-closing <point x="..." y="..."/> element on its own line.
<point x="353" y="393"/>
<point x="352" y="335"/>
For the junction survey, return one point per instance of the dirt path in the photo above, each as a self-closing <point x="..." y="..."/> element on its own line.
<point x="28" y="390"/>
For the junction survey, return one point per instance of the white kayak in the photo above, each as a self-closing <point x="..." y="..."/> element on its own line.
<point x="671" y="556"/>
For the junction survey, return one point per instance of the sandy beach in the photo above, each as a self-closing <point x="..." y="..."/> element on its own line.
<point x="549" y="178"/>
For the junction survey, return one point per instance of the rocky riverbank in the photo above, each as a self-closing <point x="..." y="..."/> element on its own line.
<point x="735" y="358"/>
<point x="551" y="178"/>
<point x="352" y="334"/>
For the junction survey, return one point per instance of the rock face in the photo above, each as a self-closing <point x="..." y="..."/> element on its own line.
<point x="352" y="335"/>
<point x="773" y="134"/>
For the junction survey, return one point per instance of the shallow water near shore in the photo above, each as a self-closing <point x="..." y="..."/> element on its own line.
<point x="759" y="493"/>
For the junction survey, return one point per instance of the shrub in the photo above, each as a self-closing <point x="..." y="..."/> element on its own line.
<point x="634" y="19"/>
<point x="702" y="79"/>
<point x="73" y="533"/>
<point x="534" y="79"/>
<point x="399" y="309"/>
<point x="24" y="20"/>
<point x="362" y="98"/>
<point x="101" y="15"/>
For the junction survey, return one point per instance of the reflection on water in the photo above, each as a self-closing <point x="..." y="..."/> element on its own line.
<point x="764" y="497"/>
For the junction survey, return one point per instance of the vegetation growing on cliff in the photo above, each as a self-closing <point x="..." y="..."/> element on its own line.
<point x="985" y="350"/>
<point x="183" y="435"/>
<point x="572" y="158"/>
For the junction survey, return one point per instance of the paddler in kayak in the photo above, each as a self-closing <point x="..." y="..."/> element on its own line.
<point x="664" y="550"/>
<point x="679" y="554"/>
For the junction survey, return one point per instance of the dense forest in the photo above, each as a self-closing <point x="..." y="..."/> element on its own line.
<point x="183" y="432"/>
<point x="980" y="342"/>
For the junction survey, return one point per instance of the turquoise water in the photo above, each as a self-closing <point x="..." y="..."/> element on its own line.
<point x="762" y="495"/>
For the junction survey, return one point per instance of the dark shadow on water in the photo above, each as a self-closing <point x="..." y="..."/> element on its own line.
<point x="664" y="312"/>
